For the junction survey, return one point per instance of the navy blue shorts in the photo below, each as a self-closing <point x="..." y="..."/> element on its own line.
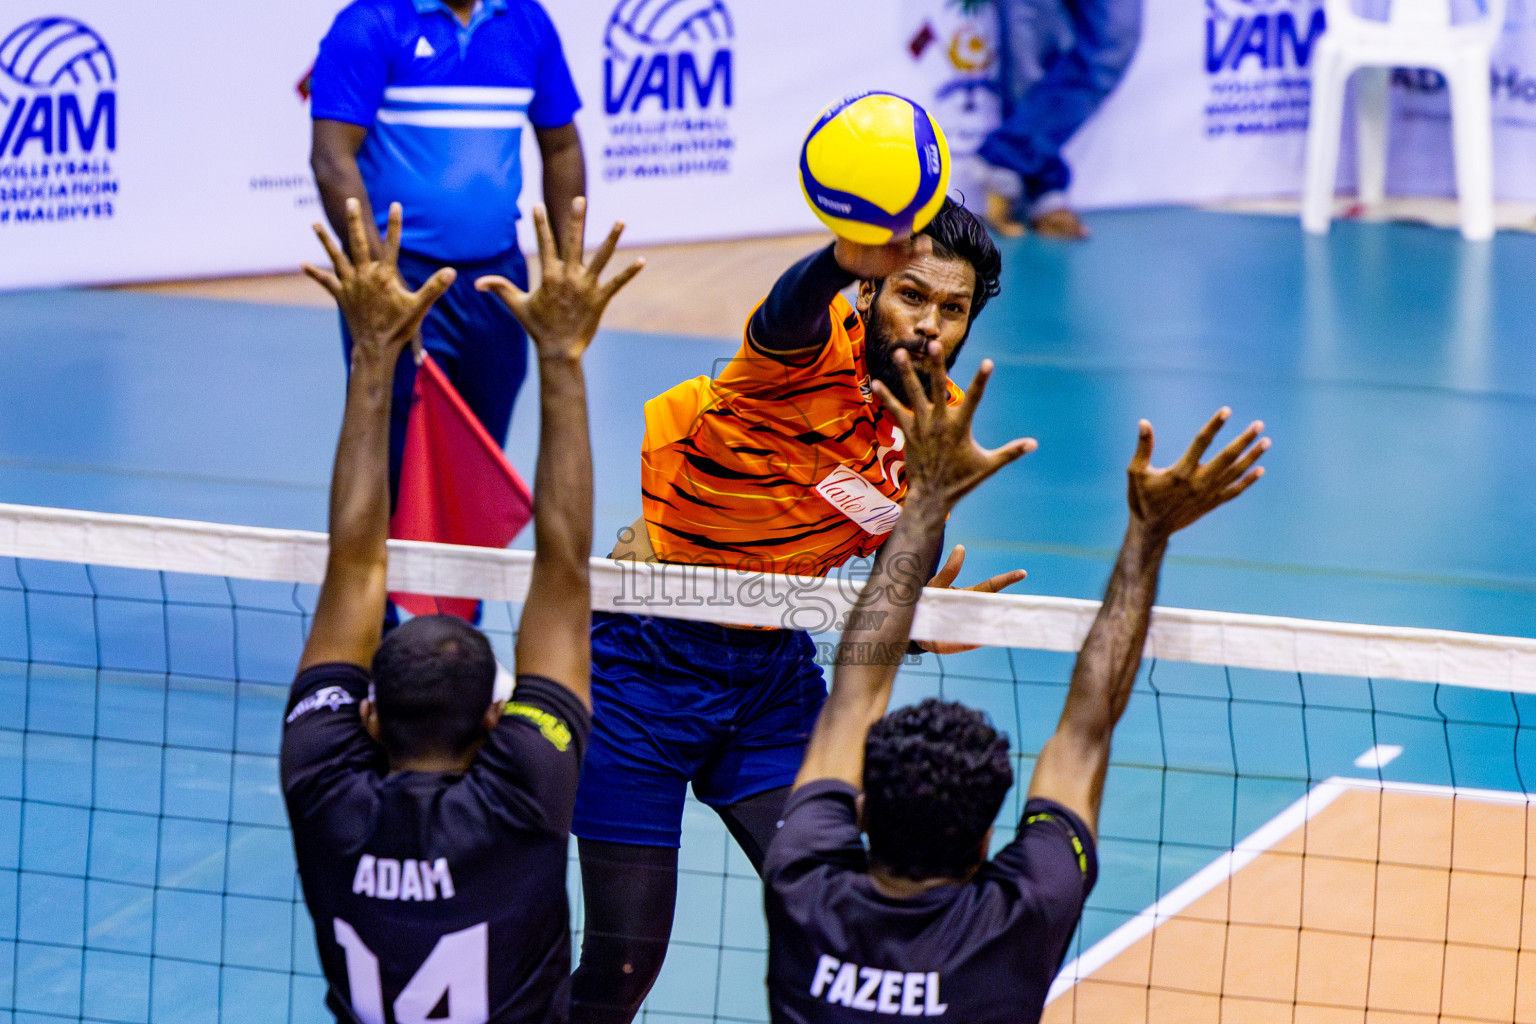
<point x="674" y="702"/>
<point x="482" y="349"/>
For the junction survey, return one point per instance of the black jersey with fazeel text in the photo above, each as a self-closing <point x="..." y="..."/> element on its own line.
<point x="979" y="952"/>
<point x="435" y="897"/>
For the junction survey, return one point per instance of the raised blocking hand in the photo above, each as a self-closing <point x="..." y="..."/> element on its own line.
<point x="562" y="313"/>
<point x="1167" y="500"/>
<point x="382" y="314"/>
<point x="944" y="579"/>
<point x="943" y="460"/>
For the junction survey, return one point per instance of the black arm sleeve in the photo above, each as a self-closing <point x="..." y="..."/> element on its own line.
<point x="794" y="316"/>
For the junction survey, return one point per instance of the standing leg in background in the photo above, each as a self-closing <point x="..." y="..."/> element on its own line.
<point x="1050" y="111"/>
<point x="489" y="348"/>
<point x="630" y="895"/>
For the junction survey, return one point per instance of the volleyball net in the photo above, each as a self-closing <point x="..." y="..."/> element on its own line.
<point x="1302" y="820"/>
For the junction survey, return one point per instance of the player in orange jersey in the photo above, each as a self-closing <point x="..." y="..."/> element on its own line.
<point x="785" y="463"/>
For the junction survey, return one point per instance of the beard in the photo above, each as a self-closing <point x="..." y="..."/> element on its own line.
<point x="880" y="346"/>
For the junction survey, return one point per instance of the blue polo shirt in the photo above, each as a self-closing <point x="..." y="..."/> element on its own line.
<point x="445" y="106"/>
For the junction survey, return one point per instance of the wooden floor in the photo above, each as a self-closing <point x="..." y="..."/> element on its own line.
<point x="702" y="290"/>
<point x="706" y="289"/>
<point x="1381" y="904"/>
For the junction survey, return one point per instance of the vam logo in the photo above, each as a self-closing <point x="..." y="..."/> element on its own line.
<point x="55" y="70"/>
<point x="668" y="54"/>
<point x="1272" y="35"/>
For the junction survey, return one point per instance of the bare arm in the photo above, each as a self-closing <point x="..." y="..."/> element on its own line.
<point x="944" y="463"/>
<point x="333" y="157"/>
<point x="1072" y="764"/>
<point x="554" y="637"/>
<point x="383" y="316"/>
<point x="565" y="173"/>
<point x="868" y="656"/>
<point x="944" y="579"/>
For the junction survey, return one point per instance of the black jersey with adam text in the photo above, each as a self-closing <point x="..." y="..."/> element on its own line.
<point x="435" y="897"/>
<point x="979" y="952"/>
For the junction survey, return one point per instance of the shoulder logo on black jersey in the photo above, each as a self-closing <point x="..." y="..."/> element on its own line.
<point x="331" y="697"/>
<point x="550" y="727"/>
<point x="1077" y="844"/>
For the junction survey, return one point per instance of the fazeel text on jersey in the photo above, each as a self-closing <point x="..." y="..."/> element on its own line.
<point x="903" y="993"/>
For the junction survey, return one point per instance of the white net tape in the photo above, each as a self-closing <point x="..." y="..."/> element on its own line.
<point x="758" y="599"/>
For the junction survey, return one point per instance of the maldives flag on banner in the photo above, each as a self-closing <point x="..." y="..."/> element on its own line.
<point x="456" y="485"/>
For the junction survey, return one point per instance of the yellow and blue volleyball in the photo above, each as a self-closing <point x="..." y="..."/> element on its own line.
<point x="875" y="167"/>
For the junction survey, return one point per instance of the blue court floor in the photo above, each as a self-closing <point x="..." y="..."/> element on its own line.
<point x="144" y="867"/>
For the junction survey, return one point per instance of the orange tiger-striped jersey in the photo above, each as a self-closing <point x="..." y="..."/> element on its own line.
<point x="775" y="467"/>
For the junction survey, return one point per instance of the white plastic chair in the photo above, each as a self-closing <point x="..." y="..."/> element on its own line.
<point x="1417" y="34"/>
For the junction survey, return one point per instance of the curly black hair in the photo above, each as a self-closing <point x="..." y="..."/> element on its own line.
<point x="958" y="233"/>
<point x="935" y="775"/>
<point x="433" y="678"/>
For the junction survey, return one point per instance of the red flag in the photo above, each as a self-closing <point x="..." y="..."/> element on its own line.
<point x="920" y="42"/>
<point x="456" y="485"/>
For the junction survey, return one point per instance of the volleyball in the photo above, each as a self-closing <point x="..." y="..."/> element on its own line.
<point x="874" y="167"/>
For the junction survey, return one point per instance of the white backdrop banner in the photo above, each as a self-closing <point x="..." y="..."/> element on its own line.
<point x="1214" y="107"/>
<point x="178" y="146"/>
<point x="694" y="110"/>
<point x="135" y="147"/>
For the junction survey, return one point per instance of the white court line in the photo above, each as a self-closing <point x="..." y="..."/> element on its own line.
<point x="1246" y="851"/>
<point x="1379" y="756"/>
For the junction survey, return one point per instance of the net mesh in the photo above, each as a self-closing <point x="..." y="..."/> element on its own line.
<point x="1276" y="843"/>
